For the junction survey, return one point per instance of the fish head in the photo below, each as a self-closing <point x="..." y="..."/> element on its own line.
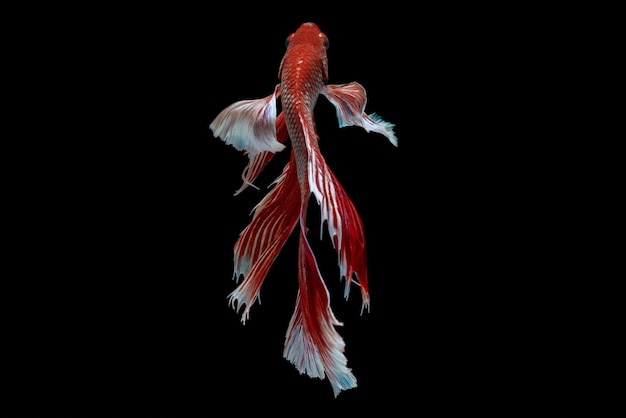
<point x="308" y="40"/>
<point x="310" y="34"/>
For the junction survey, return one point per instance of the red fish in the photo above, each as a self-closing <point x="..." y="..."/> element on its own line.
<point x="312" y="343"/>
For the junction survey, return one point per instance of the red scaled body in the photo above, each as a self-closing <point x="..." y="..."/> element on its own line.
<point x="312" y="343"/>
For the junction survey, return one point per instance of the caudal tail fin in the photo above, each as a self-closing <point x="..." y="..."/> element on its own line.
<point x="312" y="343"/>
<point x="344" y="226"/>
<point x="259" y="243"/>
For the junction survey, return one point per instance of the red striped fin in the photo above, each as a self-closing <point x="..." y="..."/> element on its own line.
<point x="273" y="220"/>
<point x="312" y="344"/>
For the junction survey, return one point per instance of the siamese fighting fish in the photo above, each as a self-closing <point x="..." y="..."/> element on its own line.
<point x="312" y="343"/>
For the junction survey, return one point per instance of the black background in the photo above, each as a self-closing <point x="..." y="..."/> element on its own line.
<point x="134" y="218"/>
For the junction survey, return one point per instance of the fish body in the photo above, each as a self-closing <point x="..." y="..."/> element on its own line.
<point x="312" y="343"/>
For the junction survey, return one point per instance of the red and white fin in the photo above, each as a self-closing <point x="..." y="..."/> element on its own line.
<point x="249" y="125"/>
<point x="274" y="218"/>
<point x="257" y="162"/>
<point x="312" y="343"/>
<point x="349" y="101"/>
<point x="342" y="221"/>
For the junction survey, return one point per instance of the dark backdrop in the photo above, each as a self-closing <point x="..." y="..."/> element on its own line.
<point x="128" y="300"/>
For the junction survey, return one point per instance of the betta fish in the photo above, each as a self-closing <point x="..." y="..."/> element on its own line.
<point x="312" y="343"/>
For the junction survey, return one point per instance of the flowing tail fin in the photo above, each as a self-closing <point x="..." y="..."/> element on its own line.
<point x="259" y="243"/>
<point x="312" y="344"/>
<point x="344" y="225"/>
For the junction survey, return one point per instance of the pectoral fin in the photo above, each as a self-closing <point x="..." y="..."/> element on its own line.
<point x="249" y="125"/>
<point x="258" y="161"/>
<point x="349" y="101"/>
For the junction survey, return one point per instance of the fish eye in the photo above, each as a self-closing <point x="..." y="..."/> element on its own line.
<point x="288" y="39"/>
<point x="325" y="41"/>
